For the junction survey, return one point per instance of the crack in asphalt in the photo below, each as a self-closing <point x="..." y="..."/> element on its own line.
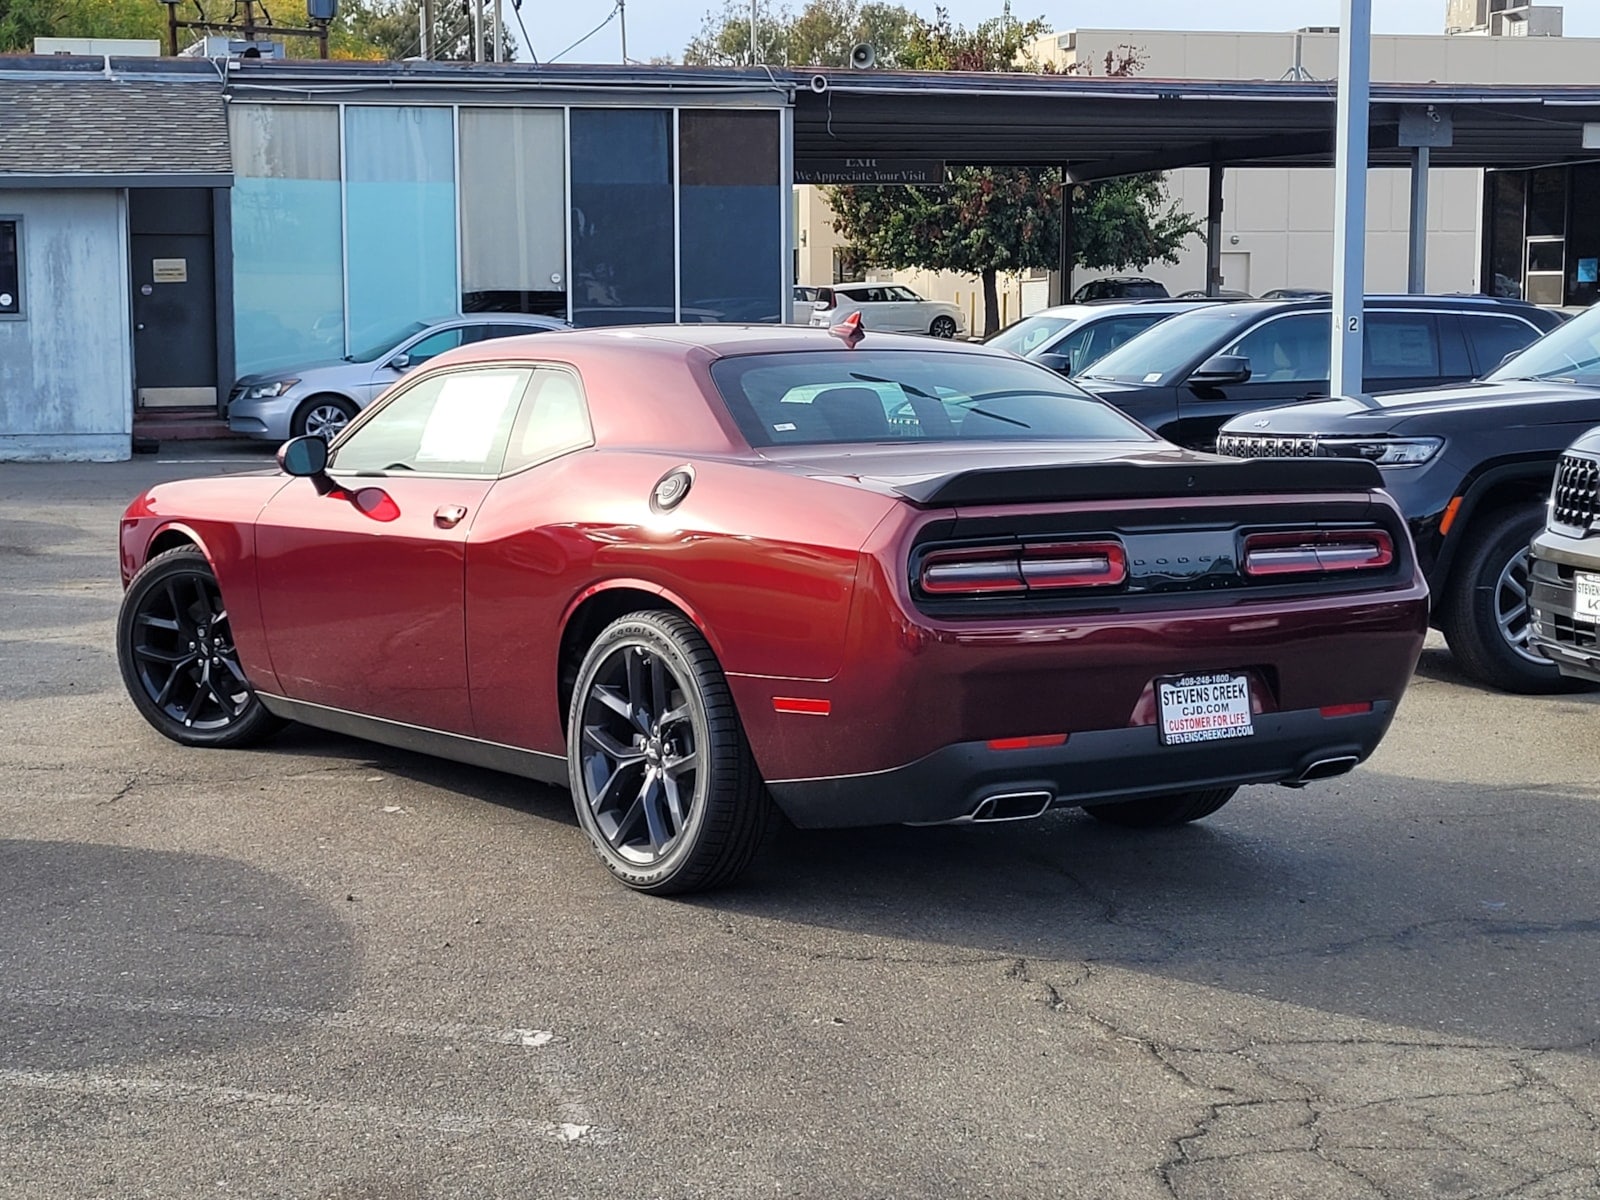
<point x="1315" y="1108"/>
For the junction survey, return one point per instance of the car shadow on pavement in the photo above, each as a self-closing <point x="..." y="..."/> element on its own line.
<point x="118" y="933"/>
<point x="1297" y="896"/>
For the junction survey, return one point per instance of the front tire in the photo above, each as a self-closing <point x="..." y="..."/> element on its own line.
<point x="181" y="668"/>
<point x="663" y="780"/>
<point x="1486" y="617"/>
<point x="1157" y="812"/>
<point x="943" y="327"/>
<point x="322" y="416"/>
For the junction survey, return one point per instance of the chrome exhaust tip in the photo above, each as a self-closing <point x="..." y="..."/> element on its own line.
<point x="1324" y="768"/>
<point x="1012" y="806"/>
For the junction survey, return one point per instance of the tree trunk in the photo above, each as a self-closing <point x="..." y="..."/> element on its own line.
<point x="991" y="304"/>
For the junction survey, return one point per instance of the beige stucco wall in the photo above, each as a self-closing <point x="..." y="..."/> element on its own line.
<point x="1278" y="224"/>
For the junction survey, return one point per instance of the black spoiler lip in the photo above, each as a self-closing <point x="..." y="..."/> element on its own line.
<point x="1141" y="481"/>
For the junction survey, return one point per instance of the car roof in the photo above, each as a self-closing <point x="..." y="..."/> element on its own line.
<point x="1113" y="307"/>
<point x="719" y="341"/>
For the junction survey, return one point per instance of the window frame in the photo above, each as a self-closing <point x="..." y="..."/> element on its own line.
<point x="21" y="314"/>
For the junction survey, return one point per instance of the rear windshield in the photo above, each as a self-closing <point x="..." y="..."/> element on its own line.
<point x="825" y="397"/>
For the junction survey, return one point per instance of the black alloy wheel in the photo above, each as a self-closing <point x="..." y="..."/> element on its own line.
<point x="662" y="779"/>
<point x="943" y="327"/>
<point x="178" y="659"/>
<point x="1156" y="812"/>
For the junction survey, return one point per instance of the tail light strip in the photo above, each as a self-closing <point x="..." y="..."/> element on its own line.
<point x="1317" y="551"/>
<point x="983" y="570"/>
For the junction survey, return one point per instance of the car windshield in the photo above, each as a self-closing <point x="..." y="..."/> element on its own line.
<point x="1570" y="351"/>
<point x="378" y="349"/>
<point x="908" y="396"/>
<point x="1172" y="345"/>
<point x="1029" y="333"/>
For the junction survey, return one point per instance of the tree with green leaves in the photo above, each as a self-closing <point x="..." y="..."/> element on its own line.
<point x="983" y="220"/>
<point x="820" y="35"/>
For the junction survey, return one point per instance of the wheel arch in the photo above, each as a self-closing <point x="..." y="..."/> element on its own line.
<point x="173" y="536"/>
<point x="596" y="607"/>
<point x="1500" y="487"/>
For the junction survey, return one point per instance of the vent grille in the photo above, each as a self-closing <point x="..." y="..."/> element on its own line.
<point x="1242" y="445"/>
<point x="1576" y="496"/>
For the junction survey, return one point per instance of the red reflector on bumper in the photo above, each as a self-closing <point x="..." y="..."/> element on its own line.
<point x="1037" y="742"/>
<point x="802" y="704"/>
<point x="1346" y="710"/>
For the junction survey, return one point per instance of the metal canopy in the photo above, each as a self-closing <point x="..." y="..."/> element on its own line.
<point x="1099" y="127"/>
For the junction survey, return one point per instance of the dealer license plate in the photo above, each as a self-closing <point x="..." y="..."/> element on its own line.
<point x="1204" y="708"/>
<point x="1586" y="604"/>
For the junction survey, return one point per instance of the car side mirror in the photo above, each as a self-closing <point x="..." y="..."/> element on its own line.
<point x="1061" y="363"/>
<point x="1221" y="369"/>
<point x="307" y="458"/>
<point x="400" y="362"/>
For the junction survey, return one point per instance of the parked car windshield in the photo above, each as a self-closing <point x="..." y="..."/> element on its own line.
<point x="905" y="395"/>
<point x="379" y="349"/>
<point x="1570" y="351"/>
<point x="1029" y="333"/>
<point x="1172" y="345"/>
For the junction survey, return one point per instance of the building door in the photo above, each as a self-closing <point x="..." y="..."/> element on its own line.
<point x="174" y="297"/>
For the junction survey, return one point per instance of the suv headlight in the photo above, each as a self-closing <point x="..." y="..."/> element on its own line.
<point x="268" y="391"/>
<point x="1384" y="451"/>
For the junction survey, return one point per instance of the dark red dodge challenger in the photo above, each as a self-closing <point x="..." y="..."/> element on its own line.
<point x="693" y="573"/>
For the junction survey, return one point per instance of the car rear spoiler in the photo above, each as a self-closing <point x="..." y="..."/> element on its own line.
<point x="1142" y="480"/>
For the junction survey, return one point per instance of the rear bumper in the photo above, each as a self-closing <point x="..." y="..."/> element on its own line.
<point x="1096" y="767"/>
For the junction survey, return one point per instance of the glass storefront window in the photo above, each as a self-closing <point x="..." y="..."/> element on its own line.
<point x="400" y="214"/>
<point x="1547" y="203"/>
<point x="622" y="217"/>
<point x="288" y="272"/>
<point x="1507" y="200"/>
<point x="513" y="210"/>
<point x="730" y="215"/>
<point x="1583" y="236"/>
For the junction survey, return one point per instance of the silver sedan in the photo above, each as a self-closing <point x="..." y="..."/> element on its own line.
<point x="320" y="398"/>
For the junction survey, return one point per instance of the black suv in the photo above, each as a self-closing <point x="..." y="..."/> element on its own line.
<point x="1471" y="467"/>
<point x="1186" y="376"/>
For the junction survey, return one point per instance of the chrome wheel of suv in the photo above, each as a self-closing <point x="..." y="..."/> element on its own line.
<point x="1511" y="607"/>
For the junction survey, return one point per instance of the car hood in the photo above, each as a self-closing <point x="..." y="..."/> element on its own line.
<point x="1517" y="403"/>
<point x="952" y="473"/>
<point x="320" y="373"/>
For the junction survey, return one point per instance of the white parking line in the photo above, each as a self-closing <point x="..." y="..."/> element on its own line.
<point x="124" y="1089"/>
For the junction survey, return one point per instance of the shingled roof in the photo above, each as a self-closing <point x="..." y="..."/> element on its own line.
<point x="111" y="128"/>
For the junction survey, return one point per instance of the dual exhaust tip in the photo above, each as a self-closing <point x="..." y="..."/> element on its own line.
<point x="1025" y="806"/>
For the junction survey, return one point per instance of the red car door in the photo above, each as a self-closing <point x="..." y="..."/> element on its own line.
<point x="363" y="588"/>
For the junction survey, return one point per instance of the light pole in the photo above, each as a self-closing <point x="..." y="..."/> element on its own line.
<point x="1350" y="197"/>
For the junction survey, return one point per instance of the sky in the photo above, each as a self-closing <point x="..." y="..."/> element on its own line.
<point x="664" y="27"/>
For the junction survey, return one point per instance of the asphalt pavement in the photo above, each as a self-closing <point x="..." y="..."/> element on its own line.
<point x="328" y="969"/>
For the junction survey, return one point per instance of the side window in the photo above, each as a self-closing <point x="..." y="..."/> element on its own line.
<point x="1491" y="337"/>
<point x="10" y="267"/>
<point x="870" y="296"/>
<point x="454" y="423"/>
<point x="1401" y="345"/>
<point x="903" y="294"/>
<point x="435" y="344"/>
<point x="1288" y="349"/>
<point x="1106" y="336"/>
<point x="491" y="332"/>
<point x="554" y="419"/>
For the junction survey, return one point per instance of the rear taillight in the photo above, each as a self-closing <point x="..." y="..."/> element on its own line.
<point x="986" y="570"/>
<point x="1317" y="551"/>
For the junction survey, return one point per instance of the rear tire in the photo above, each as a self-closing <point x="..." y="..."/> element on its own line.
<point x="1156" y="812"/>
<point x="1485" y="616"/>
<point x="662" y="777"/>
